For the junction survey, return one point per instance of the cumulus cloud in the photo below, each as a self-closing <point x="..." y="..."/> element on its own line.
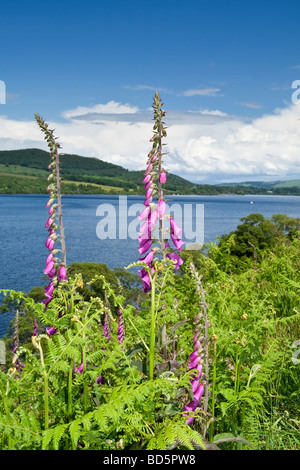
<point x="205" y="146"/>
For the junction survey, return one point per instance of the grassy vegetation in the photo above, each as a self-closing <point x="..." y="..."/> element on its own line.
<point x="252" y="300"/>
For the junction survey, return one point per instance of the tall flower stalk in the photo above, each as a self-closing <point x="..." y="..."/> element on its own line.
<point x="55" y="268"/>
<point x="199" y="380"/>
<point x="18" y="366"/>
<point x="152" y="215"/>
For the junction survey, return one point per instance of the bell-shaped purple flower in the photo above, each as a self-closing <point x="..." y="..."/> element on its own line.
<point x="144" y="247"/>
<point x="50" y="243"/>
<point x="148" y="258"/>
<point x="161" y="209"/>
<point x="177" y="242"/>
<point x="175" y="257"/>
<point x="175" y="229"/>
<point x="49" y="267"/>
<point x="49" y="290"/>
<point x="144" y="214"/>
<point x="120" y="327"/>
<point x="144" y="275"/>
<point x="195" y="359"/>
<point x="36" y="327"/>
<point x="51" y="330"/>
<point x="148" y="201"/>
<point x="79" y="369"/>
<point x="62" y="273"/>
<point x="147" y="178"/>
<point x="163" y="177"/>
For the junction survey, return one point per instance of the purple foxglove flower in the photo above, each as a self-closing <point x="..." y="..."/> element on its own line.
<point x="148" y="225"/>
<point x="143" y="240"/>
<point x="195" y="376"/>
<point x="145" y="279"/>
<point x="149" y="193"/>
<point x="50" y="243"/>
<point x="195" y="385"/>
<point x="194" y="362"/>
<point x="120" y="327"/>
<point x="148" y="185"/>
<point x="79" y="369"/>
<point x="177" y="242"/>
<point x="51" y="330"/>
<point x="100" y="380"/>
<point x="193" y="355"/>
<point x="162" y="177"/>
<point x="161" y="209"/>
<point x="62" y="273"/>
<point x="190" y="420"/>
<point x="175" y="257"/>
<point x="191" y="406"/>
<point x="199" y="392"/>
<point x="175" y="229"/>
<point x="49" y="290"/>
<point x="35" y="331"/>
<point x="154" y="158"/>
<point x="49" y="222"/>
<point x="148" y="258"/>
<point x="148" y="201"/>
<point x="149" y="168"/>
<point x="50" y="258"/>
<point x="52" y="273"/>
<point x="145" y="247"/>
<point x="147" y="178"/>
<point x="46" y="302"/>
<point x="145" y="231"/>
<point x="49" y="267"/>
<point x="144" y="214"/>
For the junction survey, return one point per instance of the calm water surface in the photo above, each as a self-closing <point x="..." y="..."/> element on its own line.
<point x="23" y="233"/>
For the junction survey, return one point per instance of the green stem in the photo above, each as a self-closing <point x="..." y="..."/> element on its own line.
<point x="4" y="396"/>
<point x="70" y="412"/>
<point x="213" y="391"/>
<point x="85" y="400"/>
<point x="141" y="338"/>
<point x="152" y="333"/>
<point x="46" y="400"/>
<point x="85" y="391"/>
<point x="237" y="375"/>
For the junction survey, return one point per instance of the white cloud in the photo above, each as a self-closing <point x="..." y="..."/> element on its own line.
<point x="112" y="107"/>
<point x="213" y="112"/>
<point x="205" y="145"/>
<point x="202" y="92"/>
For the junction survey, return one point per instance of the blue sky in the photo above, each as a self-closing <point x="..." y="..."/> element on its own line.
<point x="224" y="70"/>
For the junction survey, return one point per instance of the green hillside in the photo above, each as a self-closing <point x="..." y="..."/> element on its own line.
<point x="25" y="172"/>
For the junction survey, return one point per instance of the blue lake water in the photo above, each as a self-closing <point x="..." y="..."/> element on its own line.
<point x="23" y="233"/>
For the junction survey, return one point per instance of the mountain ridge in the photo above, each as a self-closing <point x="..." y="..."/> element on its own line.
<point x="26" y="171"/>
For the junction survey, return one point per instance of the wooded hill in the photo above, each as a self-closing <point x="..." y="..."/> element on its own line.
<point x="26" y="171"/>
